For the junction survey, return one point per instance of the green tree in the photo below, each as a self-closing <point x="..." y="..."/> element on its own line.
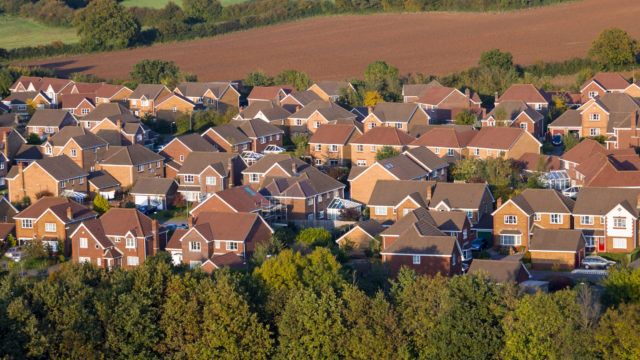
<point x="386" y="152"/>
<point x="314" y="237"/>
<point x="34" y="139"/>
<point x="614" y="48"/>
<point x="202" y="10"/>
<point x="617" y="333"/>
<point x="465" y="117"/>
<point x="468" y="170"/>
<point x="258" y="78"/>
<point x="569" y="141"/>
<point x="156" y="72"/>
<point x="100" y="204"/>
<point x="372" y="98"/>
<point x="301" y="141"/>
<point x="299" y="80"/>
<point x="384" y="78"/>
<point x="496" y="59"/>
<point x="622" y="286"/>
<point x="106" y="25"/>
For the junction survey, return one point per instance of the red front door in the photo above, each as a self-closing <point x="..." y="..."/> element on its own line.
<point x="601" y="243"/>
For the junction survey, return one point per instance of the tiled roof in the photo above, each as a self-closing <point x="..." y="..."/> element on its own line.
<point x="198" y="161"/>
<point x="459" y="195"/>
<point x="524" y="92"/>
<point x="119" y="221"/>
<point x="333" y="134"/>
<point x="154" y="186"/>
<point x="446" y="137"/>
<point x="502" y="138"/>
<point x="59" y="207"/>
<point x="383" y="135"/>
<point x="556" y="240"/>
<point x="131" y="155"/>
<point x="49" y="117"/>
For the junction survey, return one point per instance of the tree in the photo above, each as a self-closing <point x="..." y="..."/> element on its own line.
<point x="468" y="170"/>
<point x="299" y="80"/>
<point x="106" y="25"/>
<point x="372" y="98"/>
<point x="496" y="59"/>
<point x="34" y="139"/>
<point x="156" y="72"/>
<point x="301" y="141"/>
<point x="384" y="78"/>
<point x="613" y="49"/>
<point x="386" y="152"/>
<point x="465" y="117"/>
<point x="100" y="204"/>
<point x="622" y="286"/>
<point x="202" y="10"/>
<point x="617" y="333"/>
<point x="569" y="141"/>
<point x="258" y="78"/>
<point x="314" y="237"/>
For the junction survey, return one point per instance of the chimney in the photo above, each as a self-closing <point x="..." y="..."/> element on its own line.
<point x="467" y="92"/>
<point x="294" y="167"/>
<point x="190" y="221"/>
<point x="69" y="213"/>
<point x="5" y="147"/>
<point x="298" y="107"/>
<point x="370" y="109"/>
<point x="156" y="236"/>
<point x="495" y="97"/>
<point x="119" y="124"/>
<point x="232" y="175"/>
<point x="638" y="201"/>
<point x="429" y="192"/>
<point x="498" y="202"/>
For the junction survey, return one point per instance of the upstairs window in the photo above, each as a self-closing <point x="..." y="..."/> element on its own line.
<point x="510" y="219"/>
<point x="188" y="179"/>
<point x="619" y="222"/>
<point x="194" y="246"/>
<point x="27" y="223"/>
<point x="555" y="218"/>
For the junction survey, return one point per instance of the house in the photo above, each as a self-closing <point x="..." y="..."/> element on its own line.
<point x="515" y="220"/>
<point x="144" y="99"/>
<point x="10" y="143"/>
<point x="556" y="249"/>
<point x="602" y="83"/>
<point x="22" y="103"/>
<point x="80" y="145"/>
<point x="7" y="210"/>
<point x="457" y="225"/>
<point x="214" y="234"/>
<point x="548" y="169"/>
<point x="296" y="100"/>
<point x="6" y="229"/>
<point x="396" y="115"/>
<point x="119" y="238"/>
<point x="46" y="122"/>
<point x="500" y="271"/>
<point x="330" y="144"/>
<point x="271" y="165"/>
<point x="268" y="94"/>
<point x="411" y="92"/>
<point x="232" y="200"/>
<point x="77" y="104"/>
<point x="442" y="103"/>
<point x="51" y="219"/>
<point x="516" y="113"/>
<point x="357" y="241"/>
<point x="393" y="199"/>
<point x="316" y="113"/>
<point x="177" y="150"/>
<point x="448" y="142"/>
<point x="112" y="111"/>
<point x="505" y="142"/>
<point x="474" y="199"/>
<point x="48" y="86"/>
<point x="55" y="176"/>
<point x="227" y="138"/>
<point x="108" y="93"/>
<point x="103" y="183"/>
<point x="414" y="164"/>
<point x="608" y="218"/>
<point x="127" y="164"/>
<point x="204" y="173"/>
<point x="330" y="90"/>
<point x="306" y="192"/>
<point x="261" y="133"/>
<point x="157" y="192"/>
<point x="537" y="99"/>
<point x="219" y="95"/>
<point x="169" y="107"/>
<point x="365" y="148"/>
<point x="416" y="242"/>
<point x="120" y="131"/>
<point x="266" y="111"/>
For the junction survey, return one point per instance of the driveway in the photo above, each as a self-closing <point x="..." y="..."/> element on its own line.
<point x="576" y="275"/>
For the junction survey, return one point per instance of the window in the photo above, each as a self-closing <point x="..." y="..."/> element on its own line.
<point x="523" y="126"/>
<point x="593" y="94"/>
<point x="436" y="150"/>
<point x="262" y="140"/>
<point x="398" y="125"/>
<point x="318" y="162"/>
<point x="232" y="246"/>
<point x="594" y="132"/>
<point x="510" y="219"/>
<point x="81" y="181"/>
<point x="538" y="107"/>
<point x="316" y="124"/>
<point x="476" y="152"/>
<point x="361" y="162"/>
<point x="510" y="240"/>
<point x="27" y="223"/>
<point x="1" y="166"/>
<point x="318" y="147"/>
<point x="84" y="259"/>
<point x="84" y="243"/>
<point x="278" y="137"/>
<point x="381" y="210"/>
<point x="254" y="178"/>
<point x="416" y="260"/>
<point x="319" y="198"/>
<point x="99" y="261"/>
<point x="133" y="261"/>
<point x="194" y="246"/>
<point x="188" y="178"/>
<point x="589" y="241"/>
<point x="74" y="152"/>
<point x="216" y="243"/>
<point x="159" y="164"/>
<point x="310" y="201"/>
<point x="372" y="148"/>
<point x="619" y="222"/>
<point x="450" y="152"/>
<point x="333" y="148"/>
<point x="594" y="117"/>
<point x="555" y="218"/>
<point x="298" y="122"/>
<point x="586" y="220"/>
<point x="372" y="125"/>
<point x="464" y="234"/>
<point x="88" y="124"/>
<point x="131" y="243"/>
<point x="118" y="239"/>
<point x="619" y="243"/>
<point x="174" y="109"/>
<point x="84" y="111"/>
<point x="359" y="148"/>
<point x="50" y="227"/>
<point x="454" y="260"/>
<point x="469" y="214"/>
<point x="210" y="180"/>
<point x="140" y="168"/>
<point x="144" y="102"/>
<point x="48" y="150"/>
<point x="49" y="130"/>
<point x="537" y="217"/>
<point x="181" y="157"/>
<point x="61" y="183"/>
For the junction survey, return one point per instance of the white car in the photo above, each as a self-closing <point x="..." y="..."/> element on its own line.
<point x="14" y="253"/>
<point x="273" y="149"/>
<point x="571" y="192"/>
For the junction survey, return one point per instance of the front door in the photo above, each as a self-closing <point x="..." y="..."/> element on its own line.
<point x="601" y="244"/>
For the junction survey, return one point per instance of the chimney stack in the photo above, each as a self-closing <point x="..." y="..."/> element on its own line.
<point x="298" y="107"/>
<point x="429" y="192"/>
<point x="495" y="97"/>
<point x="498" y="202"/>
<point x="156" y="236"/>
<point x="69" y="213"/>
<point x="5" y="147"/>
<point x="119" y="123"/>
<point x="638" y="201"/>
<point x="232" y="177"/>
<point x="294" y="167"/>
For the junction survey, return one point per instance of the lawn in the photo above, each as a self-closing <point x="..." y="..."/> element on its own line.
<point x="19" y="32"/>
<point x="157" y="4"/>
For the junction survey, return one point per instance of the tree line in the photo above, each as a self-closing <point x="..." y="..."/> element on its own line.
<point x="306" y="304"/>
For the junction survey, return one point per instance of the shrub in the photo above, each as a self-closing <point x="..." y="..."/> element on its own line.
<point x="314" y="237"/>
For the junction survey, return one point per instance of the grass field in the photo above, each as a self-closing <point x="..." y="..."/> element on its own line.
<point x="157" y="4"/>
<point x="19" y="32"/>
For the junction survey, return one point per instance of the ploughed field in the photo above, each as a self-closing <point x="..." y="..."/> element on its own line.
<point x="340" y="47"/>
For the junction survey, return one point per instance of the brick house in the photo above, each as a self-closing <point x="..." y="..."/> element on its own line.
<point x="51" y="88"/>
<point x="129" y="163"/>
<point x="473" y="199"/>
<point x="268" y="94"/>
<point x="601" y="84"/>
<point x="330" y="90"/>
<point x="108" y="93"/>
<point x="516" y="113"/>
<point x="365" y="148"/>
<point x="143" y="100"/>
<point x="515" y="220"/>
<point x="18" y="103"/>
<point x="396" y="115"/>
<point x="204" y="173"/>
<point x="309" y="118"/>
<point x="442" y="103"/>
<point x="177" y="150"/>
<point x="448" y="142"/>
<point x="215" y="234"/>
<point x="103" y="111"/>
<point x="157" y="192"/>
<point x="227" y="138"/>
<point x="271" y="165"/>
<point x="77" y="104"/>
<point x="329" y="145"/>
<point x="393" y="199"/>
<point x="411" y="92"/>
<point x="218" y="95"/>
<point x="57" y="176"/>
<point x="80" y="145"/>
<point x="51" y="219"/>
<point x="358" y="239"/>
<point x="264" y="110"/>
<point x="46" y="122"/>
<point x="556" y="248"/>
<point x="537" y="99"/>
<point x="119" y="238"/>
<point x="500" y="271"/>
<point x="506" y="142"/>
<point x="296" y="100"/>
<point x="260" y="132"/>
<point x="238" y="199"/>
<point x="170" y="107"/>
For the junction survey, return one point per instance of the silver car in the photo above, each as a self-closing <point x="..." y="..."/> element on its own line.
<point x="597" y="262"/>
<point x="14" y="253"/>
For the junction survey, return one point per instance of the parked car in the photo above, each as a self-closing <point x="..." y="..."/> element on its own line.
<point x="479" y="244"/>
<point x="571" y="192"/>
<point x="556" y="140"/>
<point x="147" y="209"/>
<point x="597" y="262"/>
<point x="171" y="227"/>
<point x="14" y="253"/>
<point x="182" y="226"/>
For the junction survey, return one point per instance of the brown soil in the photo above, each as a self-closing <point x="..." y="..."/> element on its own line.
<point x="340" y="47"/>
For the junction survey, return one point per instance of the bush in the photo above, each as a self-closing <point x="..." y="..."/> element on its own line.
<point x="314" y="237"/>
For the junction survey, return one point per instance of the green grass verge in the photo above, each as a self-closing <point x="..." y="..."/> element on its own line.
<point x="157" y="4"/>
<point x="19" y="32"/>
